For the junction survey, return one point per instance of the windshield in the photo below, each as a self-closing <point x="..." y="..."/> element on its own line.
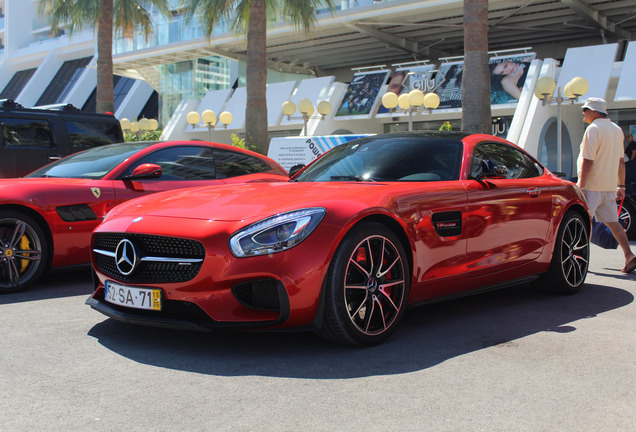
<point x="90" y="164"/>
<point x="398" y="158"/>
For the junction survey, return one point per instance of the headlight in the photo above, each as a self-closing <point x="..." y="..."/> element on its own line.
<point x="277" y="233"/>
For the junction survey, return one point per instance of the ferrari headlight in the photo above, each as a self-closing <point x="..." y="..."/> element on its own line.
<point x="276" y="234"/>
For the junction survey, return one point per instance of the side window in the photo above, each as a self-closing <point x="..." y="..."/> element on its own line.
<point x="518" y="163"/>
<point x="183" y="163"/>
<point x="84" y="135"/>
<point x="26" y="133"/>
<point x="232" y="164"/>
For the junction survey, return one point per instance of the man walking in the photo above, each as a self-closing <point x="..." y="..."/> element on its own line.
<point x="601" y="171"/>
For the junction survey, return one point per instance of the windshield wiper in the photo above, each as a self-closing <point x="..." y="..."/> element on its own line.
<point x="352" y="178"/>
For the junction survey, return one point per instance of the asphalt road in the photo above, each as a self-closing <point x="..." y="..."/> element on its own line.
<point x="511" y="360"/>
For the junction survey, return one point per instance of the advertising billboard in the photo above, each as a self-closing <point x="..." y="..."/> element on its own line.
<point x="406" y="79"/>
<point x="361" y="96"/>
<point x="507" y="77"/>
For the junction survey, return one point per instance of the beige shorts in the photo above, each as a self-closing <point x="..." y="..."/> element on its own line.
<point x="602" y="205"/>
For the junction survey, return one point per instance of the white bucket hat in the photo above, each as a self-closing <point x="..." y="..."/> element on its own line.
<point x="596" y="104"/>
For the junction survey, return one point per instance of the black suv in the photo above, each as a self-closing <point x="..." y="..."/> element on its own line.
<point x="32" y="137"/>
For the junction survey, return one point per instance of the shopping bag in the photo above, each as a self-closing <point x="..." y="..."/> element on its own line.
<point x="601" y="234"/>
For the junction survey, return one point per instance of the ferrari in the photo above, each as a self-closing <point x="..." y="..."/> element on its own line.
<point x="46" y="218"/>
<point x="343" y="248"/>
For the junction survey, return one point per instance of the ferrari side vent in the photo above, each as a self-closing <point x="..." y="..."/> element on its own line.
<point x="259" y="294"/>
<point x="75" y="213"/>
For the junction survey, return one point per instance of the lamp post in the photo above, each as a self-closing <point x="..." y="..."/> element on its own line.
<point x="306" y="109"/>
<point x="138" y="127"/>
<point x="209" y="120"/>
<point x="411" y="103"/>
<point x="544" y="91"/>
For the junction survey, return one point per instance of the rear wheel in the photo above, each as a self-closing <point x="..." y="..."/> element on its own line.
<point x="23" y="251"/>
<point x="627" y="218"/>
<point x="366" y="288"/>
<point x="570" y="259"/>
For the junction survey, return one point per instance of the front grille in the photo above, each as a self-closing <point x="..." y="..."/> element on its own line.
<point x="153" y="249"/>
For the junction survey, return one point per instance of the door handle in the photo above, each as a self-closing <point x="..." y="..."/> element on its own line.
<point x="533" y="192"/>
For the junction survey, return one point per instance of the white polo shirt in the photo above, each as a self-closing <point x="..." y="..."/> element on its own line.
<point x="603" y="144"/>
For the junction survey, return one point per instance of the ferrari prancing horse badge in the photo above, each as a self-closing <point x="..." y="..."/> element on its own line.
<point x="96" y="192"/>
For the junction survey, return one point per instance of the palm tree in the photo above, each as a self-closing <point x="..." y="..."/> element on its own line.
<point x="476" y="76"/>
<point x="255" y="14"/>
<point x="77" y="15"/>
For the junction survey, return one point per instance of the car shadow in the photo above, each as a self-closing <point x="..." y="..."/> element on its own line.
<point x="427" y="336"/>
<point x="77" y="281"/>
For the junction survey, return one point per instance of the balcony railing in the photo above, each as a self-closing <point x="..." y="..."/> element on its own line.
<point x="176" y="29"/>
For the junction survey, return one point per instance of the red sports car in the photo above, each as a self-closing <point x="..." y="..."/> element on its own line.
<point x="371" y="227"/>
<point x="46" y="219"/>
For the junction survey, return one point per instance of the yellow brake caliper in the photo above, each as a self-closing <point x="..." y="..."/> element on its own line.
<point x="24" y="245"/>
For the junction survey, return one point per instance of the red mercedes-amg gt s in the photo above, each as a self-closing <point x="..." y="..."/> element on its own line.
<point x="371" y="227"/>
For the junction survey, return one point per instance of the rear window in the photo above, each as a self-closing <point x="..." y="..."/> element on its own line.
<point x="26" y="133"/>
<point x="83" y="135"/>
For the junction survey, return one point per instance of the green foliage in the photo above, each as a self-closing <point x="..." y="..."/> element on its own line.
<point x="240" y="143"/>
<point x="146" y="136"/>
<point x="446" y="126"/>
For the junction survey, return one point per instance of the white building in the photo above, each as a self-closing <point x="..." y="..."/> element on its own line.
<point x="179" y="69"/>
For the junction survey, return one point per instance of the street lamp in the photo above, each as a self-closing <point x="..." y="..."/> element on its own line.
<point x="544" y="91"/>
<point x="306" y="109"/>
<point x="209" y="120"/>
<point x="411" y="102"/>
<point x="138" y="127"/>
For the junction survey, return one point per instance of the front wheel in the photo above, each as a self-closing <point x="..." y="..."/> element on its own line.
<point x="366" y="288"/>
<point x="23" y="251"/>
<point x="570" y="259"/>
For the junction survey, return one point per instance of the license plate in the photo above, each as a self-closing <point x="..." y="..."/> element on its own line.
<point x="133" y="297"/>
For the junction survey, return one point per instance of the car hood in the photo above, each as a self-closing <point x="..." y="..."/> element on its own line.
<point x="252" y="201"/>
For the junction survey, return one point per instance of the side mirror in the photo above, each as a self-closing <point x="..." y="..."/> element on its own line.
<point x="145" y="171"/>
<point x="491" y="170"/>
<point x="293" y="170"/>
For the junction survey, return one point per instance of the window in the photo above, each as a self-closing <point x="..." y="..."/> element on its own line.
<point x="63" y="81"/>
<point x="17" y="83"/>
<point x="183" y="163"/>
<point x="518" y="163"/>
<point x="84" y="135"/>
<point x="231" y="164"/>
<point x="26" y="133"/>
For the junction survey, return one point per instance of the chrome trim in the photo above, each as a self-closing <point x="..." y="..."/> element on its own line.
<point x="153" y="259"/>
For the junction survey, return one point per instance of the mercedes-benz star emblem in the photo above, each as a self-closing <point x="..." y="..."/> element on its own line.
<point x="125" y="257"/>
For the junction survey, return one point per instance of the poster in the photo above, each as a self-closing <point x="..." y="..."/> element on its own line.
<point x="404" y="80"/>
<point x="507" y="76"/>
<point x="362" y="94"/>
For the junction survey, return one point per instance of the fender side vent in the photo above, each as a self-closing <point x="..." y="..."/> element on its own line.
<point x="447" y="224"/>
<point x="75" y="213"/>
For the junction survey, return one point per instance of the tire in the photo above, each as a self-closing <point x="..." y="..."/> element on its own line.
<point x="23" y="251"/>
<point x="627" y="218"/>
<point x="570" y="259"/>
<point x="365" y="296"/>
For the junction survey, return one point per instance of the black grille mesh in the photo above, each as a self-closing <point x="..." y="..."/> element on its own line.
<point x="153" y="246"/>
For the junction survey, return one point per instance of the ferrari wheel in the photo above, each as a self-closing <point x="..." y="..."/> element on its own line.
<point x="366" y="288"/>
<point x="569" y="265"/>
<point x="627" y="218"/>
<point x="22" y="251"/>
